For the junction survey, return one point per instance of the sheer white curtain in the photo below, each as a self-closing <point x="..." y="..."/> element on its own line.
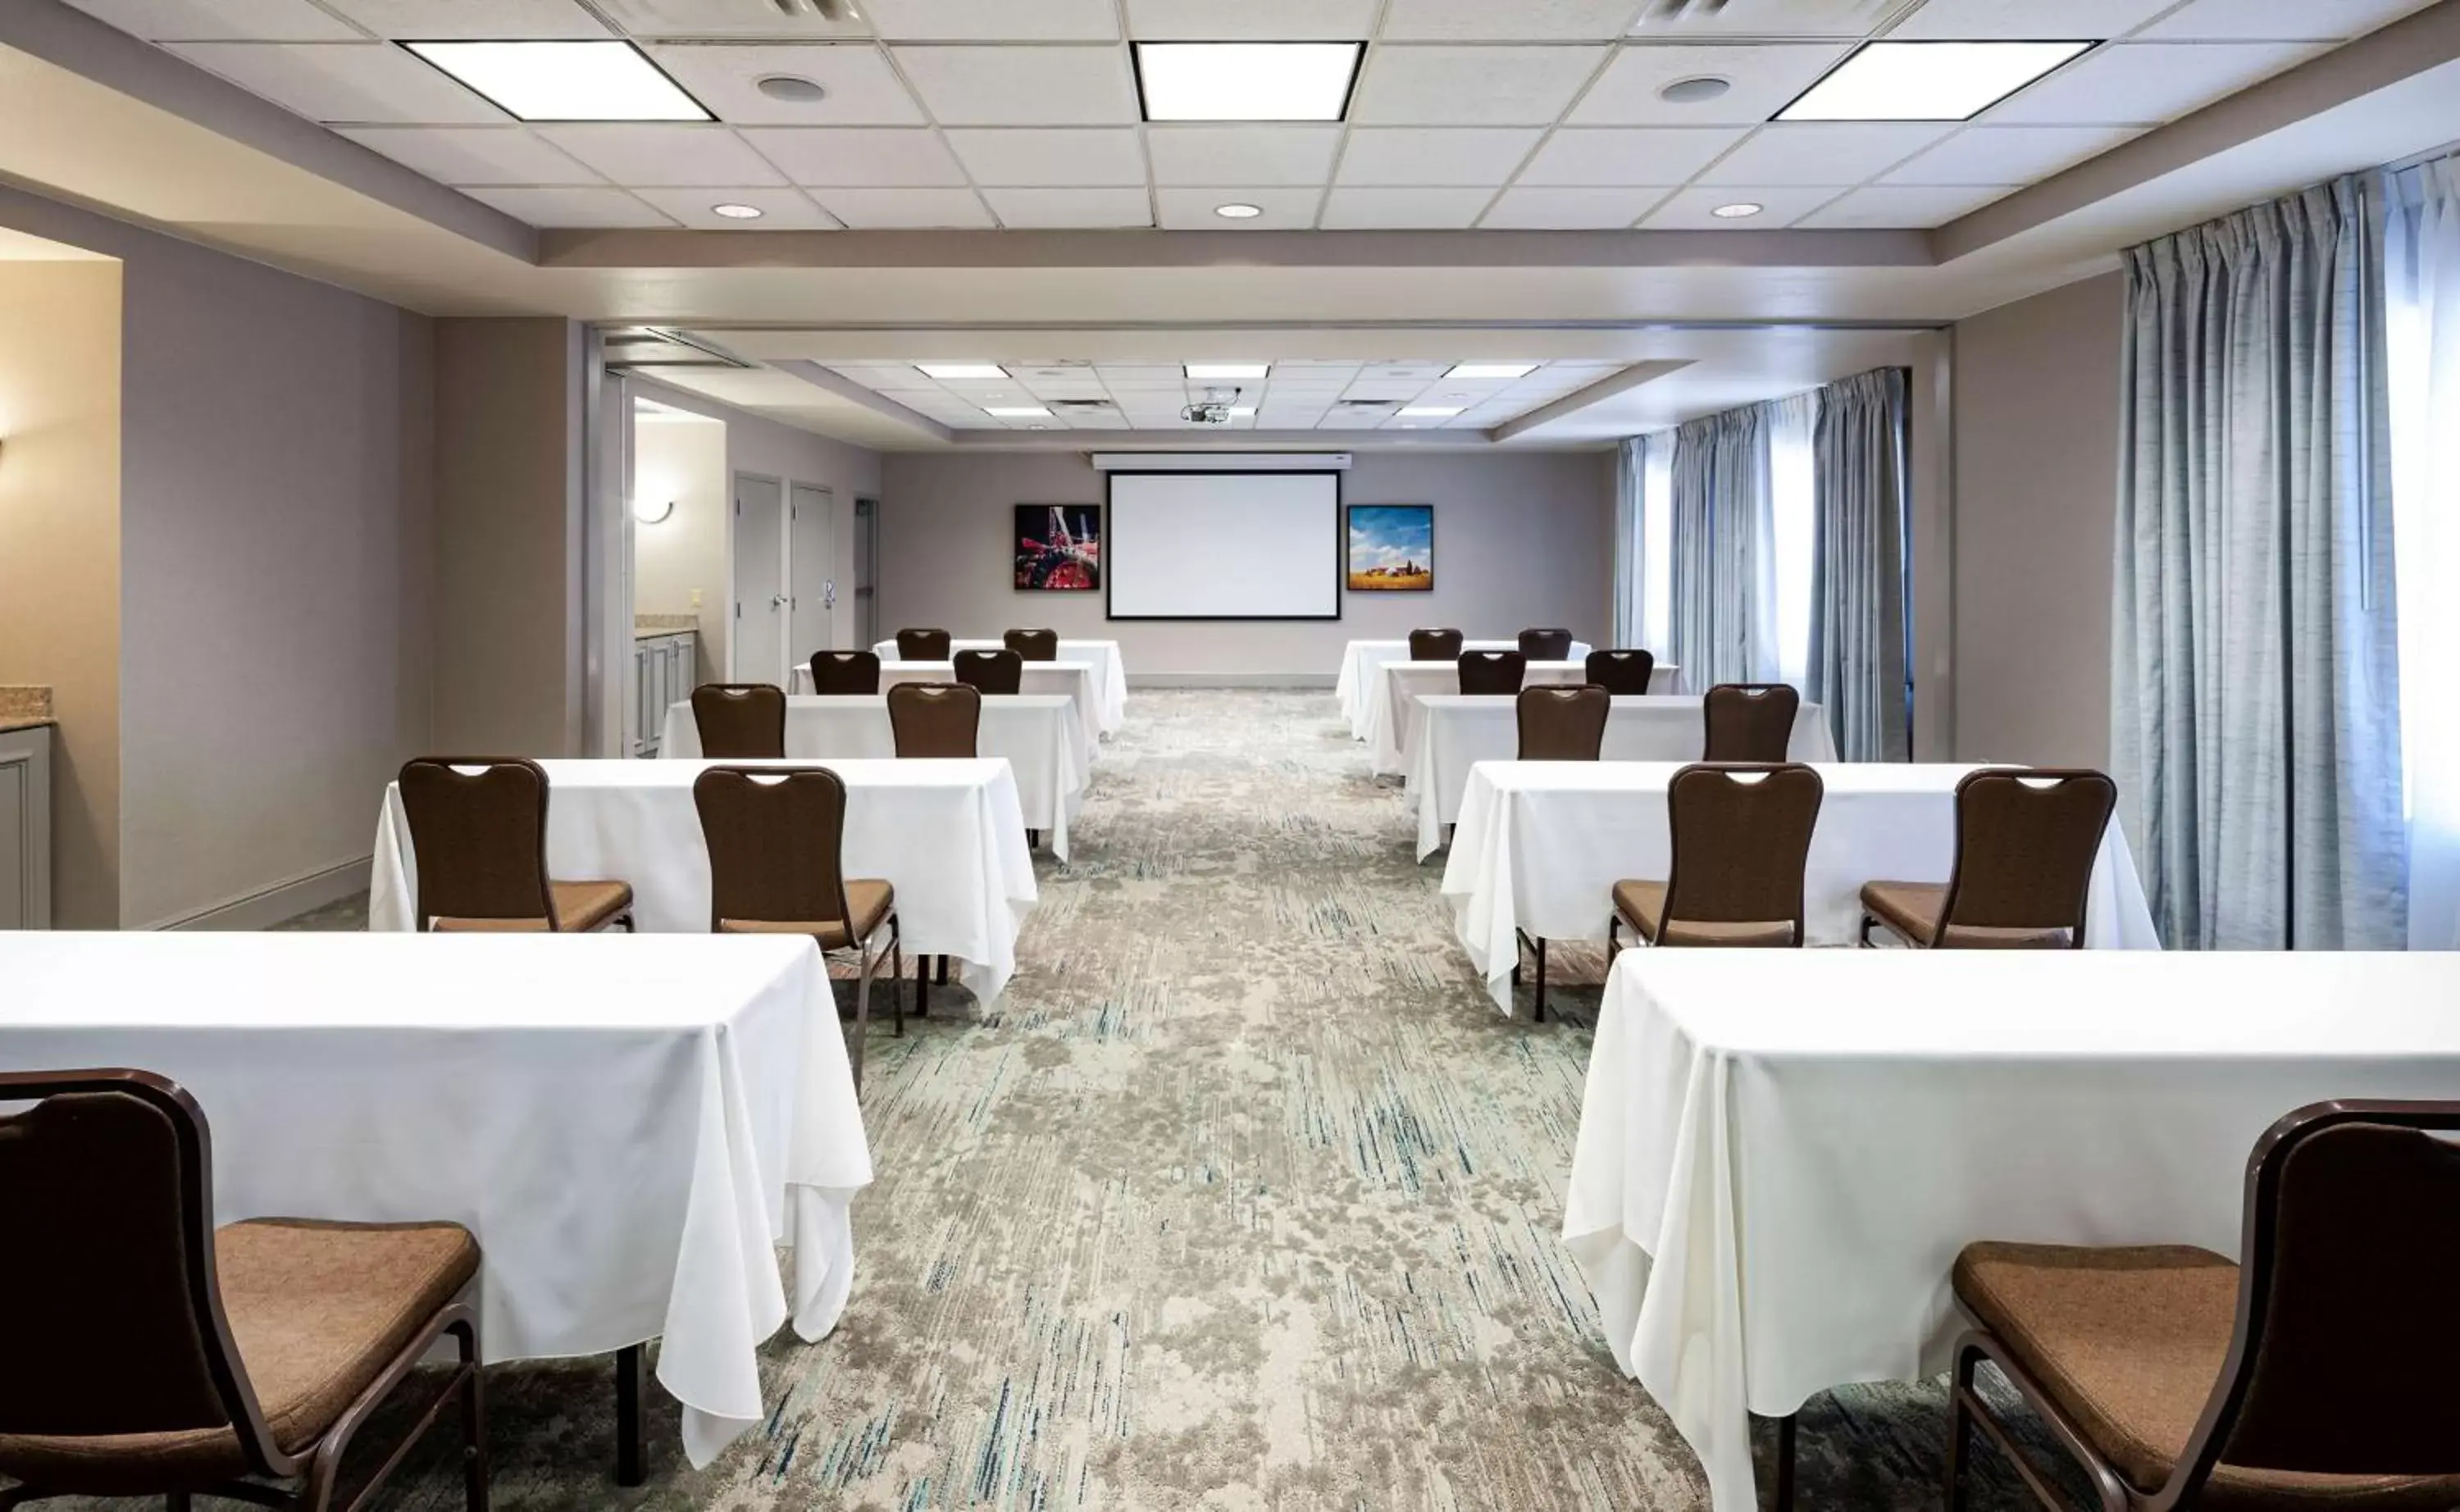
<point x="1657" y="542"/>
<point x="2422" y="317"/>
<point x="1793" y="550"/>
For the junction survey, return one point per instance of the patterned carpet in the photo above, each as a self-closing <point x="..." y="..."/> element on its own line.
<point x="1244" y="1196"/>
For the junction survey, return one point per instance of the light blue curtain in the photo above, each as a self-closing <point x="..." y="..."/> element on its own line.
<point x="1857" y="618"/>
<point x="1721" y="497"/>
<point x="2254" y="727"/>
<point x="1630" y="547"/>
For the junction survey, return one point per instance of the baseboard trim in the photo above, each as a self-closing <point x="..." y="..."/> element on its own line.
<point x="1308" y="681"/>
<point x="283" y="901"/>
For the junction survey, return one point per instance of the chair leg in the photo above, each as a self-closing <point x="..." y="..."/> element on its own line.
<point x="943" y="979"/>
<point x="627" y="1414"/>
<point x="1784" y="1456"/>
<point x="1614" y="945"/>
<point x="1866" y="931"/>
<point x="1959" y="1423"/>
<point x="177" y="1502"/>
<point x="1033" y="840"/>
<point x="921" y="986"/>
<point x="897" y="973"/>
<point x="1540" y="1017"/>
<point x="474" y="1424"/>
<point x="869" y="963"/>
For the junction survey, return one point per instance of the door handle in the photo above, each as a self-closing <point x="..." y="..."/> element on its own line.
<point x="779" y="601"/>
<point x="829" y="595"/>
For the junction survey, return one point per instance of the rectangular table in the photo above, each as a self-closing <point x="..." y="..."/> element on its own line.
<point x="1038" y="735"/>
<point x="1073" y="680"/>
<point x="1358" y="687"/>
<point x="1461" y="730"/>
<point x="1803" y="1142"/>
<point x="1110" y="670"/>
<point x="626" y="1125"/>
<point x="1393" y="735"/>
<point x="1539" y="845"/>
<point x="948" y="835"/>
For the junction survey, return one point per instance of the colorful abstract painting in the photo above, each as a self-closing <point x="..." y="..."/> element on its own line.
<point x="1058" y="548"/>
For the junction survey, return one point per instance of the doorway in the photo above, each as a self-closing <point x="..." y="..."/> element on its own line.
<point x="812" y="576"/>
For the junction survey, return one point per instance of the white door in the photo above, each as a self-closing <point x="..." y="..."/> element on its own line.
<point x="812" y="547"/>
<point x="759" y="581"/>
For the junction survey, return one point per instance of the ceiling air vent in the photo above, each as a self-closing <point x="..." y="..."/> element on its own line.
<point x="1368" y="404"/>
<point x="825" y="10"/>
<point x="1770" y="18"/>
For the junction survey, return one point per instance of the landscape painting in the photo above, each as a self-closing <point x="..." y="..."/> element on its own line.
<point x="1058" y="548"/>
<point x="1392" y="548"/>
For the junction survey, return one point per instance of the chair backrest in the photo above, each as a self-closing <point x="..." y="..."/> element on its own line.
<point x="845" y="672"/>
<point x="1623" y="674"/>
<point x="2347" y="1318"/>
<point x="1741" y="835"/>
<point x="934" y="719"/>
<point x="117" y="1325"/>
<point x="776" y="840"/>
<point x="1492" y="671"/>
<point x="740" y="721"/>
<point x="1435" y="646"/>
<point x="1750" y="721"/>
<point x="1034" y="646"/>
<point x="1000" y="671"/>
<point x="1563" y="723"/>
<point x="477" y="832"/>
<point x="2025" y="840"/>
<point x="1546" y="645"/>
<point x="921" y="645"/>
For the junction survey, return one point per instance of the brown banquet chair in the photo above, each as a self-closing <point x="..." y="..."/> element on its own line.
<point x="921" y="645"/>
<point x="1435" y="646"/>
<point x="1563" y="722"/>
<point x="152" y="1354"/>
<point x="935" y="721"/>
<point x="1546" y="645"/>
<point x="2313" y="1375"/>
<point x="1034" y="646"/>
<point x="2026" y="842"/>
<point x="1750" y="722"/>
<point x="740" y="721"/>
<point x="992" y="673"/>
<point x="1623" y="674"/>
<point x="847" y="674"/>
<point x="1740" y="838"/>
<point x="1492" y="673"/>
<point x="776" y="864"/>
<point x="478" y="835"/>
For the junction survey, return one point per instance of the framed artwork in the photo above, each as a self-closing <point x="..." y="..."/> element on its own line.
<point x="1058" y="548"/>
<point x="1392" y="548"/>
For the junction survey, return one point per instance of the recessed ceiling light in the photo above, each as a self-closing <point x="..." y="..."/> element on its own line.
<point x="1246" y="80"/>
<point x="793" y="89"/>
<point x="1432" y="412"/>
<point x="960" y="370"/>
<point x="1737" y="211"/>
<point x="1017" y="412"/>
<point x="1695" y="90"/>
<point x="1927" y="80"/>
<point x="1238" y="212"/>
<point x="737" y="212"/>
<point x="1493" y="370"/>
<point x="565" y="81"/>
<point x="1227" y="370"/>
<point x="1037" y="427"/>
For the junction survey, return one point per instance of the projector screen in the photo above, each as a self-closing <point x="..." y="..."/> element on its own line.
<point x="1224" y="547"/>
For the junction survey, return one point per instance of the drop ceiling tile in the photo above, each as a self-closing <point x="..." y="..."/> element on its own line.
<point x="1209" y="154"/>
<point x="220" y="20"/>
<point x="1767" y="18"/>
<point x="2031" y="20"/>
<point x="591" y="209"/>
<point x="1689" y="210"/>
<point x="642" y="153"/>
<point x="1521" y="21"/>
<point x="1434" y="155"/>
<point x="472" y="20"/>
<point x="862" y="89"/>
<point x="901" y="210"/>
<point x="780" y="209"/>
<point x="1902" y="206"/>
<point x="2146" y="83"/>
<point x="1824" y="151"/>
<point x="1022" y="86"/>
<point x="2319" y="20"/>
<point x="372" y="82"/>
<point x="1472" y="86"/>
<point x="1137" y="375"/>
<point x="733" y="18"/>
<point x="2007" y="153"/>
<point x="461" y="155"/>
<point x="1070" y="157"/>
<point x="1251" y="20"/>
<point x="1765" y="79"/>
<point x="995" y="20"/>
<point x="857" y="157"/>
<point x="1570" y="209"/>
<point x="1403" y="209"/>
<point x="1285" y="208"/>
<point x="1070" y="207"/>
<point x="1622" y="156"/>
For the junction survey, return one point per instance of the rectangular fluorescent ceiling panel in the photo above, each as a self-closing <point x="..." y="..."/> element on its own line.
<point x="1227" y="370"/>
<point x="1493" y="370"/>
<point x="565" y="81"/>
<point x="960" y="370"/>
<point x="1928" y="81"/>
<point x="1017" y="412"/>
<point x="1430" y="412"/>
<point x="1246" y="80"/>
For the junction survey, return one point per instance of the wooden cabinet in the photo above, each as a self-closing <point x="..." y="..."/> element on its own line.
<point x="664" y="673"/>
<point x="26" y="828"/>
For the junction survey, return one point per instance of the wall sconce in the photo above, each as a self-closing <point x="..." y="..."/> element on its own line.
<point x="650" y="512"/>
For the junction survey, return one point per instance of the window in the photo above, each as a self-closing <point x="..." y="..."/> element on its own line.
<point x="1794" y="534"/>
<point x="1657" y="544"/>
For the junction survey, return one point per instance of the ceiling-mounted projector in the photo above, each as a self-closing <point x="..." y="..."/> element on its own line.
<point x="1214" y="409"/>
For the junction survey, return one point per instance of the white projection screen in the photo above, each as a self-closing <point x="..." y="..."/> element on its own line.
<point x="1224" y="547"/>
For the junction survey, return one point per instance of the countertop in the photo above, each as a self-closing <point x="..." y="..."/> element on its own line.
<point x="25" y="707"/>
<point x="644" y="625"/>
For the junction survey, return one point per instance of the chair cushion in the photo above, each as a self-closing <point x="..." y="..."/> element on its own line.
<point x="870" y="901"/>
<point x="581" y="906"/>
<point x="2130" y="1341"/>
<point x="1912" y="909"/>
<point x="1642" y="903"/>
<point x="317" y="1311"/>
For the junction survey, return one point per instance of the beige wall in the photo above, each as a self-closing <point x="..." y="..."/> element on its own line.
<point x="2036" y="404"/>
<point x="684" y="460"/>
<point x="59" y="553"/>
<point x="1521" y="539"/>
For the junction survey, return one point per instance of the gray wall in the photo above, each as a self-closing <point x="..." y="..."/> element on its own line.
<point x="2036" y="498"/>
<point x="1521" y="539"/>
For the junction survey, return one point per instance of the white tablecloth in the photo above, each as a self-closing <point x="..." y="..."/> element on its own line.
<point x="1392" y="734"/>
<point x="1464" y="729"/>
<point x="1805" y="1140"/>
<point x="1038" y="735"/>
<point x="627" y="1125"/>
<point x="1359" y="687"/>
<point x="948" y="835"/>
<point x="1073" y="679"/>
<point x="1110" y="670"/>
<point x="1540" y="844"/>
